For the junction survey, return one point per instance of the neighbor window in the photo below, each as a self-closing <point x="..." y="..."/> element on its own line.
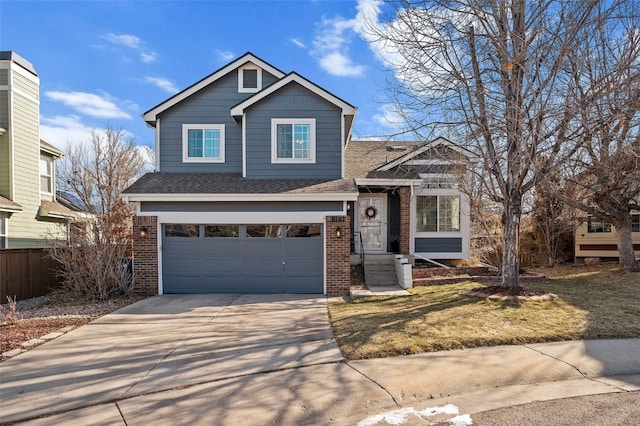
<point x="438" y="213"/>
<point x="597" y="226"/>
<point x="635" y="222"/>
<point x="3" y="231"/>
<point x="46" y="175"/>
<point x="203" y="143"/>
<point x="293" y="140"/>
<point x="249" y="79"/>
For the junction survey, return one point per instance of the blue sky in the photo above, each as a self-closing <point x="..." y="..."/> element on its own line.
<point x="106" y="62"/>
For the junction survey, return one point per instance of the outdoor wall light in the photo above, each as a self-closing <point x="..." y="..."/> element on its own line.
<point x="338" y="232"/>
<point x="143" y="232"/>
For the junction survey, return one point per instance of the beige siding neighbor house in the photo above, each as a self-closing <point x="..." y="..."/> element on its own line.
<point x="597" y="238"/>
<point x="28" y="207"/>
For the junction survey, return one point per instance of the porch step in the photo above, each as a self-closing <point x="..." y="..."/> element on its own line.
<point x="379" y="271"/>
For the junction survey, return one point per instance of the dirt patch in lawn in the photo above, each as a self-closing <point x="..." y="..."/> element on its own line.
<point x="508" y="293"/>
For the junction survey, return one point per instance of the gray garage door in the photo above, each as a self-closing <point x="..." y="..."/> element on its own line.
<point x="242" y="258"/>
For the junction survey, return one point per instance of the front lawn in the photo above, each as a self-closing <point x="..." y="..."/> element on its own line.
<point x="595" y="302"/>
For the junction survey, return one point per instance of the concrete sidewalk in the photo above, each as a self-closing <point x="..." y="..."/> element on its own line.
<point x="238" y="360"/>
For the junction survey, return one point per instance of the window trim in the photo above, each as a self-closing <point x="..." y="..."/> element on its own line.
<point x="4" y="231"/>
<point x="438" y="230"/>
<point x="241" y="88"/>
<point x="51" y="176"/>
<point x="185" y="143"/>
<point x="274" y="140"/>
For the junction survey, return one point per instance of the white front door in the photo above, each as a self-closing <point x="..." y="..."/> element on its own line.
<point x="372" y="222"/>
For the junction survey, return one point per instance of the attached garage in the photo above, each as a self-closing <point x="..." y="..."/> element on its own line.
<point x="242" y="258"/>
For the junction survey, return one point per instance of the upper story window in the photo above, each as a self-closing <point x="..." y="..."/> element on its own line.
<point x="203" y="143"/>
<point x="293" y="140"/>
<point x="249" y="79"/>
<point x="438" y="213"/>
<point x="597" y="226"/>
<point x="46" y="175"/>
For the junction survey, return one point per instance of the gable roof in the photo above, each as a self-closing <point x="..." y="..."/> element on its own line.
<point x="151" y="115"/>
<point x="440" y="141"/>
<point x="346" y="107"/>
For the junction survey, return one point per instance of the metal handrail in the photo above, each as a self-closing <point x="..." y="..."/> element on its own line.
<point x="358" y="235"/>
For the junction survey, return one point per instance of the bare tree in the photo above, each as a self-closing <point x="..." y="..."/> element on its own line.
<point x="94" y="260"/>
<point x="494" y="72"/>
<point x="606" y="172"/>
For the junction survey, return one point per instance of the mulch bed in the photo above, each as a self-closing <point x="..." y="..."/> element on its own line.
<point x="13" y="334"/>
<point x="508" y="293"/>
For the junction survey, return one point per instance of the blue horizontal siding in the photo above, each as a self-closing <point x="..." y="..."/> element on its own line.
<point x="294" y="101"/>
<point x="438" y="245"/>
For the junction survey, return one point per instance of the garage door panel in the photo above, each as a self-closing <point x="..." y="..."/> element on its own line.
<point x="243" y="264"/>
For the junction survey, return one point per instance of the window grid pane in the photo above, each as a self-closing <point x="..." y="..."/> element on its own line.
<point x="427" y="214"/>
<point x="212" y="143"/>
<point x="182" y="230"/>
<point x="449" y="214"/>
<point x="635" y="223"/>
<point x="264" y="231"/>
<point x="302" y="138"/>
<point x="221" y="231"/>
<point x="285" y="140"/>
<point x="195" y="143"/>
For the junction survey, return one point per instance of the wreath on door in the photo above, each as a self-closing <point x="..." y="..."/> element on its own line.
<point x="371" y="212"/>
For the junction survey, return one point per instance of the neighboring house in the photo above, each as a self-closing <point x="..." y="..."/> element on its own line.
<point x="409" y="193"/>
<point x="28" y="206"/>
<point x="598" y="238"/>
<point x="253" y="192"/>
<point x="249" y="193"/>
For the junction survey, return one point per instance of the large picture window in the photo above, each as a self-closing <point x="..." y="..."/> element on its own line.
<point x="293" y="140"/>
<point x="203" y="143"/>
<point x="438" y="213"/>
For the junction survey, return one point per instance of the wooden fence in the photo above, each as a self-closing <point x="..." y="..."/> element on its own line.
<point x="26" y="273"/>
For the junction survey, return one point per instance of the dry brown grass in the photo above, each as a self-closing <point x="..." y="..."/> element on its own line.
<point x="595" y="302"/>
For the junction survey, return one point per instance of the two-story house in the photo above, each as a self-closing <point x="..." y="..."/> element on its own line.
<point x="29" y="210"/>
<point x="249" y="192"/>
<point x="257" y="182"/>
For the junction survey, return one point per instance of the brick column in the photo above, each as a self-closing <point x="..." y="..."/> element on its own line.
<point x="145" y="255"/>
<point x="338" y="268"/>
<point x="405" y="219"/>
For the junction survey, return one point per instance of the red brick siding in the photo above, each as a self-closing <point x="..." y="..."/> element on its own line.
<point x="405" y="219"/>
<point x="145" y="255"/>
<point x="338" y="267"/>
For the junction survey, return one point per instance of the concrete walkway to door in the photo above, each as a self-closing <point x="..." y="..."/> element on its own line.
<point x="167" y="342"/>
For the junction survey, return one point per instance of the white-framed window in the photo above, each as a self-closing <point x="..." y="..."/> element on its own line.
<point x="249" y="79"/>
<point x="293" y="140"/>
<point x="46" y="175"/>
<point x="203" y="143"/>
<point x="635" y="222"/>
<point x="438" y="213"/>
<point x="597" y="226"/>
<point x="4" y="225"/>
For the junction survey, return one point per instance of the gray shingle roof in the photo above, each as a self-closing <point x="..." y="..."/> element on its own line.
<point x="362" y="158"/>
<point x="233" y="183"/>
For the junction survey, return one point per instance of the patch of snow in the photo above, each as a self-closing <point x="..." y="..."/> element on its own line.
<point x="399" y="417"/>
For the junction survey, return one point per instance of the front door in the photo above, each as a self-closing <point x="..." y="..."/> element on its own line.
<point x="372" y="222"/>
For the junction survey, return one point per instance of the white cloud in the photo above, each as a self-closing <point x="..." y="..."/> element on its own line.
<point x="337" y="64"/>
<point x="127" y="40"/>
<point x="225" y="55"/>
<point x="132" y="42"/>
<point x="298" y="43"/>
<point x="389" y="117"/>
<point x="90" y="104"/>
<point x="163" y="83"/>
<point x="331" y="47"/>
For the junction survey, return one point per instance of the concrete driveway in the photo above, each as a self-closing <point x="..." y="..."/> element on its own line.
<point x="168" y="342"/>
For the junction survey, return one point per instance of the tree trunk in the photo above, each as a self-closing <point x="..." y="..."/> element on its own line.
<point x="625" y="245"/>
<point x="511" y="242"/>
